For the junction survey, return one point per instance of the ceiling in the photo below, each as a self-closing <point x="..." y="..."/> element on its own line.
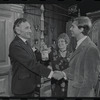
<point x="85" y="6"/>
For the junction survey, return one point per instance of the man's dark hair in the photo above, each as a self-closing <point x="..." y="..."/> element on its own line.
<point x="17" y="23"/>
<point x="85" y="23"/>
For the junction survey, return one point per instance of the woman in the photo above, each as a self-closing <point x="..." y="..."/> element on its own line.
<point x="59" y="61"/>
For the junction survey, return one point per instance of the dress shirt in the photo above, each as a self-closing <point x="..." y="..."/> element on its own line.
<point x="80" y="41"/>
<point x="24" y="40"/>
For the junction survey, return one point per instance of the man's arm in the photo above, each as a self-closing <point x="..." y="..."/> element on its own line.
<point x="20" y="55"/>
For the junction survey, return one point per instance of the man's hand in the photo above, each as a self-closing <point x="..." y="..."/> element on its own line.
<point x="50" y="67"/>
<point x="58" y="75"/>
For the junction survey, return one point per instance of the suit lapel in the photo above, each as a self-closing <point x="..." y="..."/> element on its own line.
<point x="24" y="46"/>
<point x="80" y="48"/>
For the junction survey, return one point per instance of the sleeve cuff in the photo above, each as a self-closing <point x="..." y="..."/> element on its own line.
<point x="65" y="77"/>
<point x="50" y="75"/>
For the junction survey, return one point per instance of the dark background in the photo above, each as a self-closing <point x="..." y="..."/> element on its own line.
<point x="85" y="6"/>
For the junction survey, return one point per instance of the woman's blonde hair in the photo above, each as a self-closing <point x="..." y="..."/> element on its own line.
<point x="65" y="37"/>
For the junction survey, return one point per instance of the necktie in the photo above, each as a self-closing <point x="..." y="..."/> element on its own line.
<point x="26" y="43"/>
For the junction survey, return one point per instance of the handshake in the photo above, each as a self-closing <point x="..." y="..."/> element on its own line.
<point x="58" y="75"/>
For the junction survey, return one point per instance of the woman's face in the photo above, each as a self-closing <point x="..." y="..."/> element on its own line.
<point x="61" y="43"/>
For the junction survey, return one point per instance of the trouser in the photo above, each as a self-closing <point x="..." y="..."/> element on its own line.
<point x="35" y="93"/>
<point x="25" y="95"/>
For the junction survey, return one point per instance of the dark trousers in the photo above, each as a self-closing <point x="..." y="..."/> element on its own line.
<point x="35" y="93"/>
<point x="25" y="95"/>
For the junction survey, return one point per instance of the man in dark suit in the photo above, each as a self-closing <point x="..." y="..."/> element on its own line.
<point x="25" y="69"/>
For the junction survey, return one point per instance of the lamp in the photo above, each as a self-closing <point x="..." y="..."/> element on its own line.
<point x="42" y="21"/>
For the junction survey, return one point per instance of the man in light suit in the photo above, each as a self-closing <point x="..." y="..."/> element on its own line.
<point x="83" y="72"/>
<point x="26" y="71"/>
<point x="83" y="65"/>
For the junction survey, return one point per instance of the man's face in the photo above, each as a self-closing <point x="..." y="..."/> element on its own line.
<point x="74" y="29"/>
<point x="24" y="30"/>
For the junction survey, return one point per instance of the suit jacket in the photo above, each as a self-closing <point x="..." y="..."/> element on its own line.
<point x="83" y="67"/>
<point x="25" y="69"/>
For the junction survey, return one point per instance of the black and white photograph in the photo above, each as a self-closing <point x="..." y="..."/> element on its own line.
<point x="50" y="49"/>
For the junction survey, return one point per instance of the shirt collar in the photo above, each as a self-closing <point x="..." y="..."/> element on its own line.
<point x="80" y="41"/>
<point x="24" y="40"/>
